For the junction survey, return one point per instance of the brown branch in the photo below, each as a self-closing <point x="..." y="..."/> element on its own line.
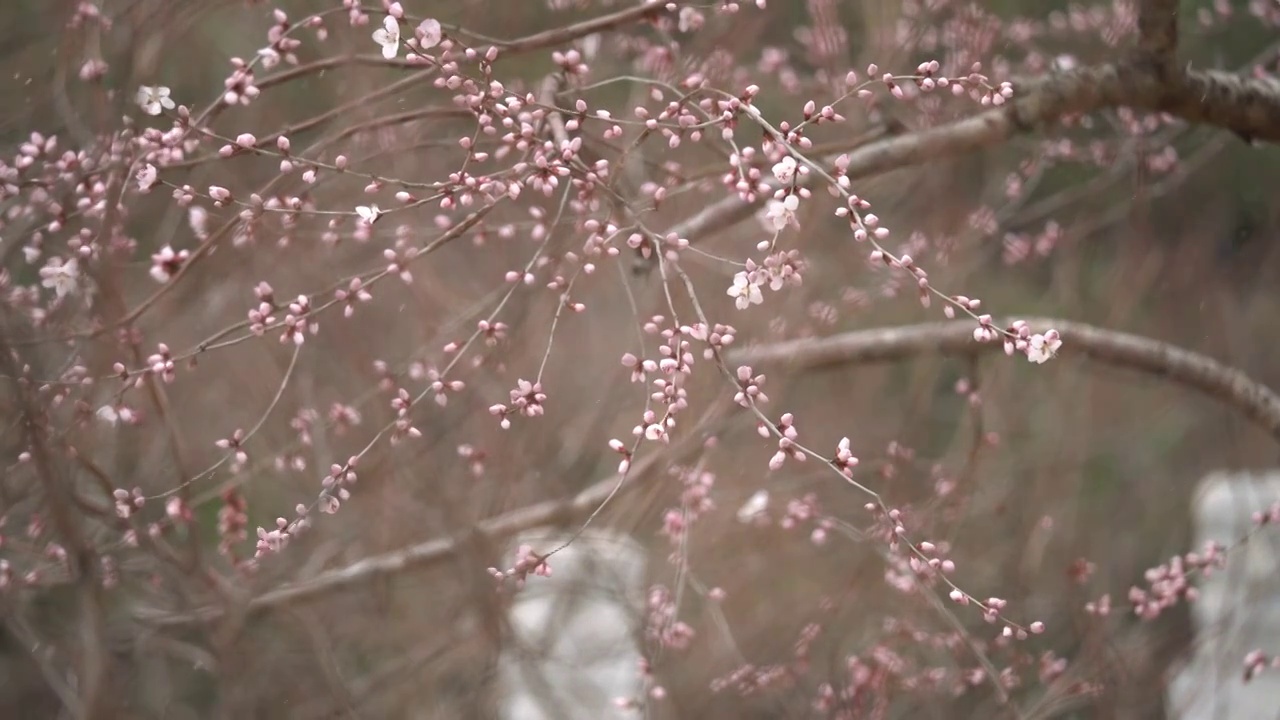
<point x="1064" y="93"/>
<point x="556" y="513"/>
<point x="60" y="503"/>
<point x="1223" y="383"/>
<point x="1134" y="352"/>
<point x="643" y="11"/>
<point x="1247" y="106"/>
<point x="269" y="141"/>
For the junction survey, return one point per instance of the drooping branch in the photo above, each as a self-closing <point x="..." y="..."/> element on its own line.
<point x="1225" y="384"/>
<point x="562" y="512"/>
<point x="1228" y="385"/>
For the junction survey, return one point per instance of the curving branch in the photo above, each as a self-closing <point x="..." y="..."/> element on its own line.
<point x="644" y="11"/>
<point x="1226" y="384"/>
<point x="1247" y="106"/>
<point x="1221" y="382"/>
<point x="1147" y="78"/>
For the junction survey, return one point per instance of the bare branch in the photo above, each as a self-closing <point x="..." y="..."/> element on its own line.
<point x="559" y="36"/>
<point x="1220" y="382"/>
<point x="1248" y="106"/>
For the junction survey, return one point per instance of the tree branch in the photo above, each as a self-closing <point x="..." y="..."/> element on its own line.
<point x="1247" y="106"/>
<point x="643" y="11"/>
<point x="554" y="513"/>
<point x="82" y="561"/>
<point x="1134" y="352"/>
<point x="1223" y="383"/>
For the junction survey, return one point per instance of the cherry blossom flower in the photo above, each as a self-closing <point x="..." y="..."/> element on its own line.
<point x="368" y="213"/>
<point x="93" y="69"/>
<point x="154" y="100"/>
<point x="62" y="277"/>
<point x="428" y="34"/>
<point x="1040" y="348"/>
<point x="785" y="170"/>
<point x="147" y="177"/>
<point x="844" y="459"/>
<point x="744" y="292"/>
<point x="167" y="262"/>
<point x="269" y="57"/>
<point x="783" y="213"/>
<point x="754" y="506"/>
<point x="198" y="219"/>
<point x="388" y="36"/>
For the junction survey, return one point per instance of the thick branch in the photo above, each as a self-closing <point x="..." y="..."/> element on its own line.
<point x="1065" y="93"/>
<point x="1220" y="382"/>
<point x="1071" y="92"/>
<point x="1247" y="106"/>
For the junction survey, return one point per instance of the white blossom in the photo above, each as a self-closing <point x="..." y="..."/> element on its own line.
<point x="388" y="36"/>
<point x="368" y="213"/>
<point x="754" y="505"/>
<point x="166" y="262"/>
<point x="153" y="100"/>
<point x="1040" y="348"/>
<point x="783" y="213"/>
<point x="269" y="57"/>
<point x="744" y="292"/>
<point x="63" y="277"/>
<point x="147" y="177"/>
<point x="785" y="170"/>
<point x="198" y="219"/>
<point x="429" y="34"/>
